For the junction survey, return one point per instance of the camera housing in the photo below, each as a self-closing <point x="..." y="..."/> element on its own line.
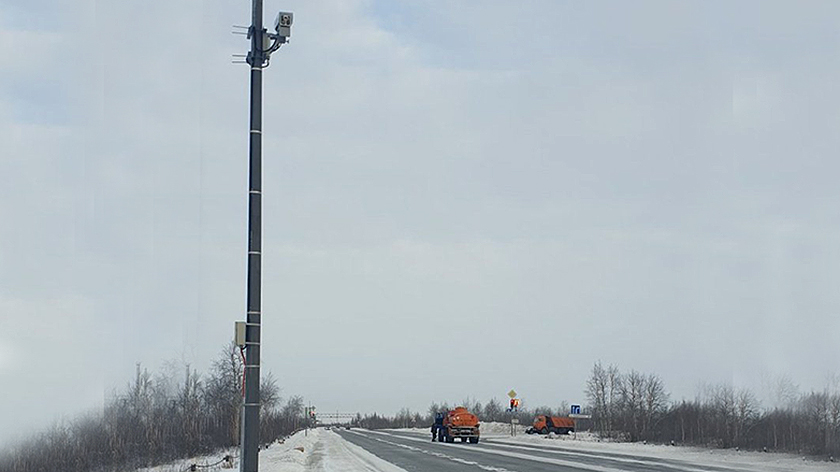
<point x="283" y="23"/>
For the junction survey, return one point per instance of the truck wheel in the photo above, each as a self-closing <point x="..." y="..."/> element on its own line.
<point x="473" y="440"/>
<point x="544" y="431"/>
<point x="450" y="439"/>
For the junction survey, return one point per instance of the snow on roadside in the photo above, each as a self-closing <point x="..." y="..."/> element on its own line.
<point x="279" y="457"/>
<point x="183" y="465"/>
<point x="293" y="455"/>
<point x="316" y="450"/>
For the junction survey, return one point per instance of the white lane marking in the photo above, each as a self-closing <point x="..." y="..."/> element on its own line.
<point x="486" y="448"/>
<point x="438" y="454"/>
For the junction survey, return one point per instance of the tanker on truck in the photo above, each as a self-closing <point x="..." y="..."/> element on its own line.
<point x="457" y="423"/>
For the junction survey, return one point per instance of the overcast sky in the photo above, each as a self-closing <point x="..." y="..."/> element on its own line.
<point x="460" y="197"/>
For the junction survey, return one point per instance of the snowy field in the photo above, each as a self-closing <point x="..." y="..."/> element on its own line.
<point x="325" y="451"/>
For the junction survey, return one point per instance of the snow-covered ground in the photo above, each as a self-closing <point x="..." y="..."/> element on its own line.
<point x="325" y="451"/>
<point x="203" y="461"/>
<point x="316" y="450"/>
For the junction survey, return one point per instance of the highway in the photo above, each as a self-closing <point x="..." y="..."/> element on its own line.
<point x="415" y="453"/>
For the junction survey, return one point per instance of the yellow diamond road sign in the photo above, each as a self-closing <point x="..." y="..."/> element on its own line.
<point x="512" y="393"/>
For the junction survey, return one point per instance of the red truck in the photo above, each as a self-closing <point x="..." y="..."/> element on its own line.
<point x="552" y="424"/>
<point x="458" y="423"/>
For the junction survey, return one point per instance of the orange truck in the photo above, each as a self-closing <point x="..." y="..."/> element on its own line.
<point x="552" y="424"/>
<point x="458" y="423"/>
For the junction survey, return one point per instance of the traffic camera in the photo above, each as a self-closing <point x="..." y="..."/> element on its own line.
<point x="283" y="24"/>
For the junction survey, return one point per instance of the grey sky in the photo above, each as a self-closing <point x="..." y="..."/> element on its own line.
<point x="460" y="197"/>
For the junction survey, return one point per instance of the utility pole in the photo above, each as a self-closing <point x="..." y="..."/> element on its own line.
<point x="263" y="44"/>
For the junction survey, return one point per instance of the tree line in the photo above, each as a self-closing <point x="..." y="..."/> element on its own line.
<point x="636" y="407"/>
<point x="172" y="415"/>
<point x="491" y="411"/>
<point x="157" y="419"/>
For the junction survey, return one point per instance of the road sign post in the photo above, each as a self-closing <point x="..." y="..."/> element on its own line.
<point x="514" y="406"/>
<point x="576" y="415"/>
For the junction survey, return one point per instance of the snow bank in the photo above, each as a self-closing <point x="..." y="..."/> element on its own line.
<point x="279" y="457"/>
<point x="292" y="455"/>
<point x="182" y="465"/>
<point x="315" y="450"/>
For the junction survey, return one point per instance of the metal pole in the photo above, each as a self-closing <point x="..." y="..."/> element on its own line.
<point x="249" y="456"/>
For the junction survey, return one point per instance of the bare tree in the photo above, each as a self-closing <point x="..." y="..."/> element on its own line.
<point x="543" y="410"/>
<point x="292" y="411"/>
<point x="224" y="391"/>
<point x="654" y="402"/>
<point x="434" y="408"/>
<point x="269" y="393"/>
<point x="493" y="411"/>
<point x="746" y="411"/>
<point x="155" y="419"/>
<point x="476" y="408"/>
<point x="597" y="388"/>
<point x="563" y="409"/>
<point x="404" y="418"/>
<point x="782" y="391"/>
<point x="632" y="403"/>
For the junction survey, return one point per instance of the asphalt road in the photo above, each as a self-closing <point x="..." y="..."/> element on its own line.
<point x="414" y="453"/>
